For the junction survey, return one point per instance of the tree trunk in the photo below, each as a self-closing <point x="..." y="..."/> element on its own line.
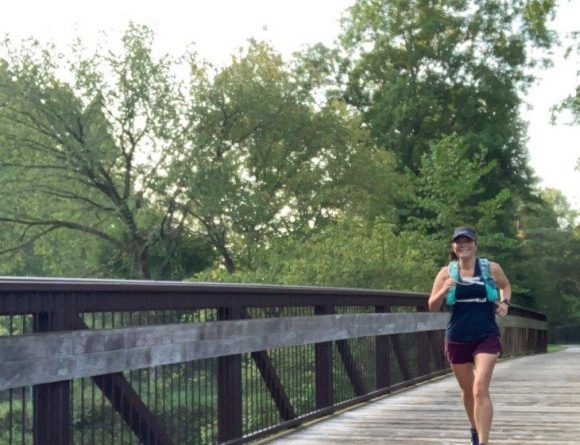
<point x="228" y="261"/>
<point x="141" y="262"/>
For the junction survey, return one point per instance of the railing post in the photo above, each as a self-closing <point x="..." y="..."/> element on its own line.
<point x="52" y="416"/>
<point x="383" y="357"/>
<point x="229" y="387"/>
<point x="423" y="358"/>
<point x="323" y="366"/>
<point x="437" y="350"/>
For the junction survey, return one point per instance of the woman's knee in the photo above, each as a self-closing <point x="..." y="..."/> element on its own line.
<point x="467" y="394"/>
<point x="480" y="390"/>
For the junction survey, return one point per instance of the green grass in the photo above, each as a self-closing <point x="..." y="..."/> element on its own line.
<point x="555" y="348"/>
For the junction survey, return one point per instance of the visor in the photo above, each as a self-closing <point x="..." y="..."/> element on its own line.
<point x="464" y="231"/>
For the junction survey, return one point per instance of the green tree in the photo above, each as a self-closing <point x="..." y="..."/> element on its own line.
<point x="89" y="154"/>
<point x="549" y="257"/>
<point x="425" y="69"/>
<point x="572" y="102"/>
<point x="268" y="156"/>
<point x="157" y="163"/>
<point x="450" y="190"/>
<point x="347" y="253"/>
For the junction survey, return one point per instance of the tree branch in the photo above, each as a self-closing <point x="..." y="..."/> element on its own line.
<point x="54" y="224"/>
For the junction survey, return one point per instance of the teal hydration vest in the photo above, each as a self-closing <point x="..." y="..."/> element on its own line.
<point x="490" y="286"/>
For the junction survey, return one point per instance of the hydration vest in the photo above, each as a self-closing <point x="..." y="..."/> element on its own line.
<point x="492" y="294"/>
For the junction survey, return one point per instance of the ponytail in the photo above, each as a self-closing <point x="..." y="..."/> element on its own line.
<point x="452" y="255"/>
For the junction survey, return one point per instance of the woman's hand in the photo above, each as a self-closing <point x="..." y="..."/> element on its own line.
<point x="448" y="284"/>
<point x="501" y="309"/>
<point x="443" y="282"/>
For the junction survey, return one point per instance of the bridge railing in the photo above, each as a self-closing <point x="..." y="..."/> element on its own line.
<point x="122" y="362"/>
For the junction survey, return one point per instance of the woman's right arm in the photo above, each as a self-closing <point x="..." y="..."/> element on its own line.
<point x="443" y="282"/>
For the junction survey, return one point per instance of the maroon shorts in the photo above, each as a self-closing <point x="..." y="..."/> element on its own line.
<point x="459" y="353"/>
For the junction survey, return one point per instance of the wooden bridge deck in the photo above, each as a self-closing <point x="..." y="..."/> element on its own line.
<point x="536" y="402"/>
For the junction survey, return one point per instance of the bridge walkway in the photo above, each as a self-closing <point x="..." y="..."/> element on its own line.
<point x="536" y="402"/>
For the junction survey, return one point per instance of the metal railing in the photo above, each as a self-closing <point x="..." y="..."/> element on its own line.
<point x="127" y="362"/>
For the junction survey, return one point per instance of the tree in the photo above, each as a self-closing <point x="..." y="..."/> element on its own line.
<point x="348" y="252"/>
<point x="450" y="192"/>
<point x="60" y="253"/>
<point x="156" y="157"/>
<point x="549" y="257"/>
<point x="89" y="154"/>
<point x="423" y="70"/>
<point x="268" y="156"/>
<point x="572" y="102"/>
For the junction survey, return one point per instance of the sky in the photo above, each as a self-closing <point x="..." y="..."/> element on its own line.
<point x="218" y="28"/>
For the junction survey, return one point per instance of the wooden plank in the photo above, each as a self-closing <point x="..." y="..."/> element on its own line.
<point x="127" y="402"/>
<point x="51" y="357"/>
<point x="399" y="351"/>
<point x="273" y="383"/>
<point x="529" y="409"/>
<point x="519" y="322"/>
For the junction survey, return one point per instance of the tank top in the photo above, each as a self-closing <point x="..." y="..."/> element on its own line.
<point x="472" y="316"/>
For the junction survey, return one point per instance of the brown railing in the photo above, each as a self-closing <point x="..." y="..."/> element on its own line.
<point x="121" y="362"/>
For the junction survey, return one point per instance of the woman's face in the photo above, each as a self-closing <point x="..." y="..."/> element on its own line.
<point x="464" y="247"/>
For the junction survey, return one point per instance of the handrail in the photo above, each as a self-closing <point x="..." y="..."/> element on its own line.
<point x="52" y="357"/>
<point x="308" y="350"/>
<point x="9" y="284"/>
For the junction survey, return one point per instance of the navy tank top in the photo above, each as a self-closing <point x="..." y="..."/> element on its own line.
<point x="472" y="316"/>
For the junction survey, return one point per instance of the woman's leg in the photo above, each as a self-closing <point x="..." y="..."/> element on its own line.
<point x="483" y="409"/>
<point x="465" y="378"/>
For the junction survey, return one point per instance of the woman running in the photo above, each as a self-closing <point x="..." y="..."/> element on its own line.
<point x="472" y="343"/>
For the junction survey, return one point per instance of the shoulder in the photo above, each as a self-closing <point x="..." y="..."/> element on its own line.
<point x="443" y="273"/>
<point x="492" y="265"/>
<point x="497" y="272"/>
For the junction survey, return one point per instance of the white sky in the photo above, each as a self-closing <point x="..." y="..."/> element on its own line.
<point x="219" y="27"/>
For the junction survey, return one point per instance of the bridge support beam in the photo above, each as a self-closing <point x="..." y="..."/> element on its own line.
<point x="272" y="380"/>
<point x="352" y="371"/>
<point x="383" y="356"/>
<point x="127" y="402"/>
<point x="229" y="387"/>
<point x="323" y="366"/>
<point x="52" y="414"/>
<point x="423" y="358"/>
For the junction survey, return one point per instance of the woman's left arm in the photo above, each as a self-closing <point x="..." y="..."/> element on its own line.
<point x="503" y="285"/>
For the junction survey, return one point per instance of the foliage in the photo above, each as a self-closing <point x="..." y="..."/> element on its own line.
<point x="150" y="164"/>
<point x="345" y="166"/>
<point x="264" y="157"/>
<point x="86" y="155"/>
<point x="56" y="254"/>
<point x="549" y="257"/>
<point x="571" y="103"/>
<point x="450" y="190"/>
<point x="422" y="70"/>
<point x="556" y="348"/>
<point x="348" y="253"/>
<point x="439" y="84"/>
